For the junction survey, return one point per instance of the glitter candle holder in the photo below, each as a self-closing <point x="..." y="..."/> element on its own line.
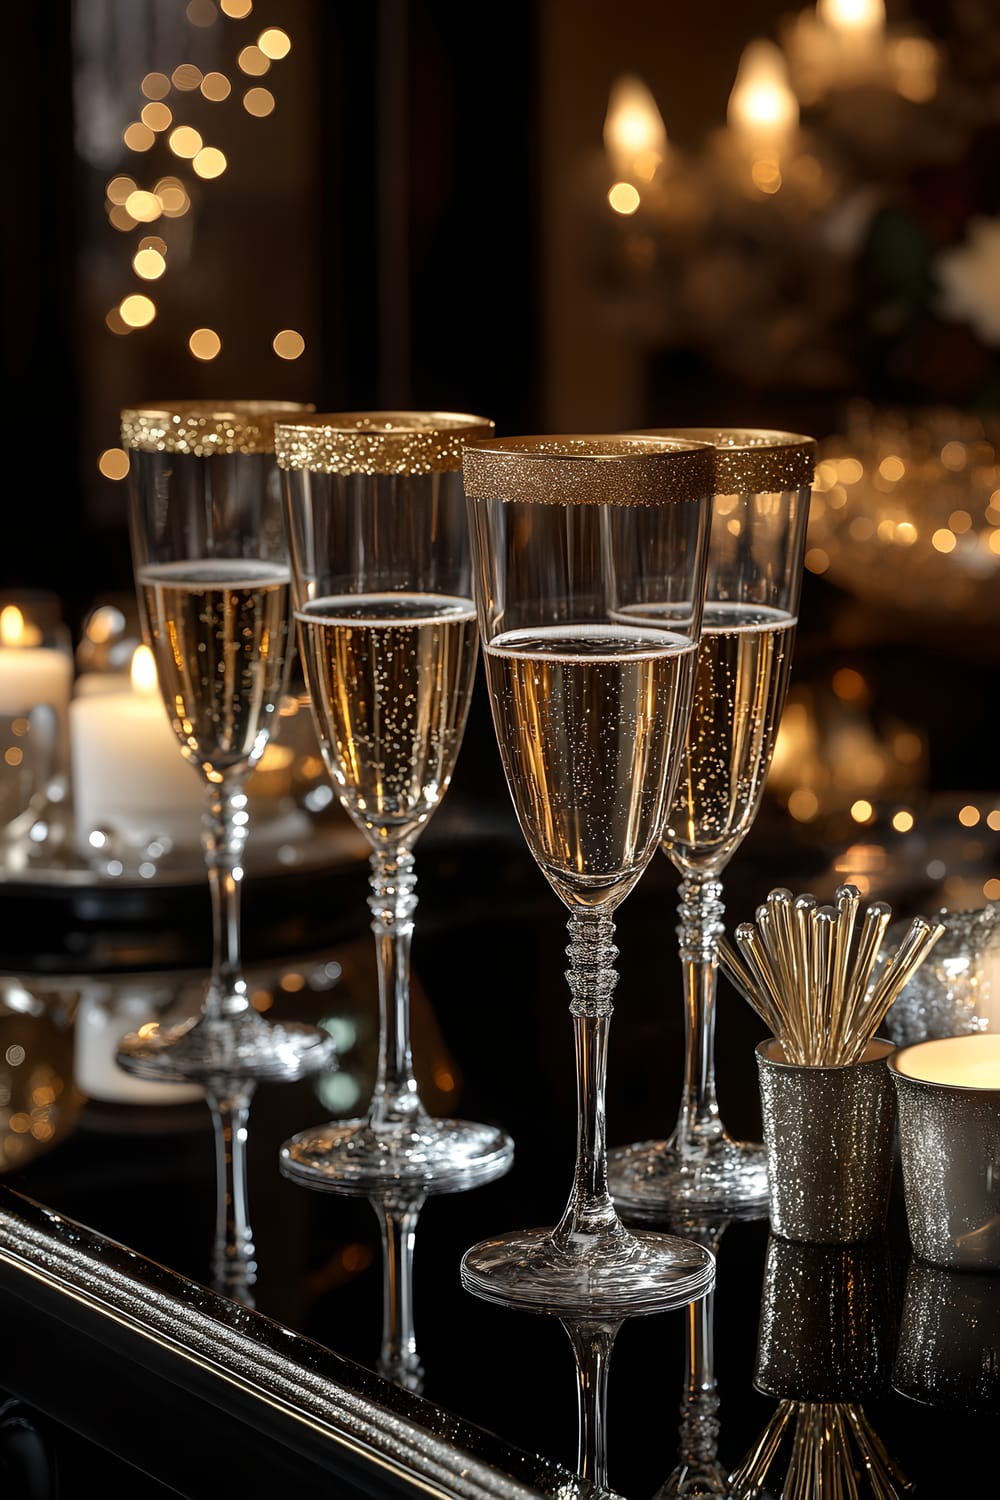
<point x="829" y="1138"/>
<point x="948" y="1093"/>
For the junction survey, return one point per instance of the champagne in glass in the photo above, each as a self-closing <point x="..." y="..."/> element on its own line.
<point x="590" y="708"/>
<point x="744" y="663"/>
<point x="211" y="571"/>
<point x="382" y="592"/>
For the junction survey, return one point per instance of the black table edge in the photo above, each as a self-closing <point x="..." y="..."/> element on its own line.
<point x="97" y="1337"/>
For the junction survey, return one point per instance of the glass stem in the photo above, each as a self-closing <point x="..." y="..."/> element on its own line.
<point x="234" y="1264"/>
<point x="395" y="1100"/>
<point x="701" y="911"/>
<point x="224" y="836"/>
<point x="590" y="1213"/>
<point x="592" y="1344"/>
<point x="398" y="1360"/>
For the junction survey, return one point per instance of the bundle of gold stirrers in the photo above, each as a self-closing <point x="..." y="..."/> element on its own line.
<point x="813" y="973"/>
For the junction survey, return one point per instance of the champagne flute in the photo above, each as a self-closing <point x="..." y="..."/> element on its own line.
<point x="381" y="582"/>
<point x="211" y="569"/>
<point x="590" y="714"/>
<point x="745" y="657"/>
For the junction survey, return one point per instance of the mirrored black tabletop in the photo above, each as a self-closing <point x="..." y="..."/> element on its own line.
<point x="853" y="1358"/>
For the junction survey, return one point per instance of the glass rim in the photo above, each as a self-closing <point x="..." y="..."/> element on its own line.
<point x="589" y="469"/>
<point x="204" y="427"/>
<point x="752" y="460"/>
<point x="379" y="441"/>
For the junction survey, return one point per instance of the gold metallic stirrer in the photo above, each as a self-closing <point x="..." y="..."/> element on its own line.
<point x="812" y="972"/>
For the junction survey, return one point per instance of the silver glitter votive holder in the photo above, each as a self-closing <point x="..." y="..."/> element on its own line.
<point x="828" y="1132"/>
<point x="948" y="1097"/>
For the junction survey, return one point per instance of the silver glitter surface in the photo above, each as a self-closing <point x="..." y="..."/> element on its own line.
<point x="949" y="1139"/>
<point x="409" y="1442"/>
<point x="946" y="995"/>
<point x="829" y="1139"/>
<point x="827" y="1324"/>
<point x="948" y="1352"/>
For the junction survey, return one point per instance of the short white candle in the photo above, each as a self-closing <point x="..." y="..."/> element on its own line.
<point x="971" y="1061"/>
<point x="31" y="673"/>
<point x="128" y="773"/>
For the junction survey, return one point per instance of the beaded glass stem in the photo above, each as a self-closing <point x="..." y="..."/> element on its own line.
<point x="754" y="575"/>
<point x="570" y="534"/>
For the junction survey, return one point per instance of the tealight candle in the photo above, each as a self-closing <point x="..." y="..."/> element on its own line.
<point x="31" y="673"/>
<point x="948" y="1091"/>
<point x="129" y="776"/>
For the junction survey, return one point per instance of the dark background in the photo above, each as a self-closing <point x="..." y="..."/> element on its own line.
<point x="414" y="207"/>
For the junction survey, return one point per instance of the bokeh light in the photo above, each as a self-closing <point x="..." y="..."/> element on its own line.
<point x="205" y="343"/>
<point x="288" y="344"/>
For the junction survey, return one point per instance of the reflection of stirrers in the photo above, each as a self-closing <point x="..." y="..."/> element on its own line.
<point x="809" y="971"/>
<point x="833" y="1446"/>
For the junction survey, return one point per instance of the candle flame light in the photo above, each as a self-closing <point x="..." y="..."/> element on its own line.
<point x="854" y="17"/>
<point x="763" y="112"/>
<point x="635" y="136"/>
<point x="15" y="630"/>
<point x="143" y="672"/>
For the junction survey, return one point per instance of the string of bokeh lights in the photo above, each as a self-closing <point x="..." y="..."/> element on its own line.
<point x="130" y="206"/>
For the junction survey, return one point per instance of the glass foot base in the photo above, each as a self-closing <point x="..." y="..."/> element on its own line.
<point x="241" y="1048"/>
<point x="653" y="1179"/>
<point x="628" y="1275"/>
<point x="350" y="1156"/>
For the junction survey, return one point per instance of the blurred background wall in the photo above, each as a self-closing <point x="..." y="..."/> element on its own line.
<point x="568" y="216"/>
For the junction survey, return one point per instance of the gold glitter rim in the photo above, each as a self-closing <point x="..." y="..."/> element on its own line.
<point x="206" y="427"/>
<point x="590" y="469"/>
<point x="752" y="460"/>
<point x="379" y="442"/>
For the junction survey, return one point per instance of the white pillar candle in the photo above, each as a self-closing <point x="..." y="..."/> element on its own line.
<point x="31" y="673"/>
<point x="129" y="775"/>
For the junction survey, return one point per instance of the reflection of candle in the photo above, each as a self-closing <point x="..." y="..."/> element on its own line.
<point x="129" y="775"/>
<point x="971" y="1061"/>
<point x="30" y="673"/>
<point x="763" y="112"/>
<point x="103" y="1016"/>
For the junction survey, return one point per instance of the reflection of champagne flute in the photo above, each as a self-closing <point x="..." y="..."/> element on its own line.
<point x="698" y="1472"/>
<point x="744" y="661"/>
<point x="382" y="589"/>
<point x="398" y="1211"/>
<point x="590" y="716"/>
